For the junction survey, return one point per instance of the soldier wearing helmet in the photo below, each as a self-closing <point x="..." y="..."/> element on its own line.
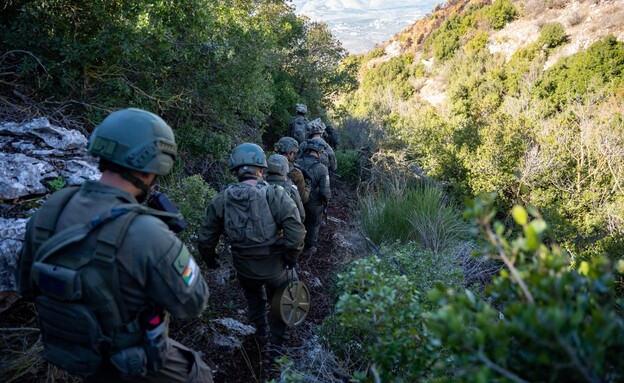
<point x="288" y="147"/>
<point x="141" y="283"/>
<point x="317" y="176"/>
<point x="298" y="126"/>
<point x="277" y="174"/>
<point x="328" y="157"/>
<point x="266" y="233"/>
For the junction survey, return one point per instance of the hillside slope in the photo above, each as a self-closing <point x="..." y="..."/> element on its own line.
<point x="585" y="22"/>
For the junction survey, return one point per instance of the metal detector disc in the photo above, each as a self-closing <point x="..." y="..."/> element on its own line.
<point x="292" y="302"/>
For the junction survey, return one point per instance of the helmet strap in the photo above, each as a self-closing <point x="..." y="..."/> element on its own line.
<point x="136" y="182"/>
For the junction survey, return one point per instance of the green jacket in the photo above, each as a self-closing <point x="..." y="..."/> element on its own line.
<point x="148" y="261"/>
<point x="291" y="188"/>
<point x="264" y="260"/>
<point x="318" y="176"/>
<point x="328" y="157"/>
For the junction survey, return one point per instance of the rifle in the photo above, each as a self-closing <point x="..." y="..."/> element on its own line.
<point x="160" y="201"/>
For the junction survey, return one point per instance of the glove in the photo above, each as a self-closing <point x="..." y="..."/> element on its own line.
<point x="212" y="263"/>
<point x="289" y="265"/>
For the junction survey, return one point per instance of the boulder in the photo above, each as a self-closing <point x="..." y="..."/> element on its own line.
<point x="37" y="158"/>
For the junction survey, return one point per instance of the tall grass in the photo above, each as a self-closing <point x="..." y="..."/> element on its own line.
<point x="421" y="213"/>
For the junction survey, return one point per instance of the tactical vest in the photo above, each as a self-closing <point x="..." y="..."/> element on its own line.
<point x="82" y="315"/>
<point x="298" y="129"/>
<point x="307" y="174"/>
<point x="247" y="217"/>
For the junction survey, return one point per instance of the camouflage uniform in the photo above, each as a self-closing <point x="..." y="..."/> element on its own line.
<point x="320" y="194"/>
<point x="328" y="157"/>
<point x="298" y="126"/>
<point x="277" y="175"/>
<point x="288" y="147"/>
<point x="261" y="267"/>
<point x="148" y="270"/>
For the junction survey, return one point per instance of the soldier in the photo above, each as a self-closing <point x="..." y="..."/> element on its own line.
<point x="277" y="174"/>
<point x="288" y="147"/>
<point x="106" y="272"/>
<point x="318" y="176"/>
<point x="331" y="136"/>
<point x="298" y="126"/>
<point x="264" y="227"/>
<point x="328" y="158"/>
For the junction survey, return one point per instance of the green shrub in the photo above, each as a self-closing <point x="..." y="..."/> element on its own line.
<point x="500" y="13"/>
<point x="381" y="314"/>
<point x="348" y="165"/>
<point x="540" y="321"/>
<point x="191" y="195"/>
<point x="600" y="67"/>
<point x="552" y="35"/>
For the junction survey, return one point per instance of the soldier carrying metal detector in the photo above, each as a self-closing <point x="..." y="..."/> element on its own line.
<point x="264" y="227"/>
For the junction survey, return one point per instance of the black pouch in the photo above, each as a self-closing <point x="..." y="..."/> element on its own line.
<point x="57" y="281"/>
<point x="71" y="335"/>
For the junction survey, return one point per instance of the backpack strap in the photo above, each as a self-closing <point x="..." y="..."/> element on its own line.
<point x="49" y="213"/>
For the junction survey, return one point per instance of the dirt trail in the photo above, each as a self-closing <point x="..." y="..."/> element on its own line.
<point x="247" y="364"/>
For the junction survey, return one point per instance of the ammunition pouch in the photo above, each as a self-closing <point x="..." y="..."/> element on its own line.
<point x="72" y="336"/>
<point x="130" y="362"/>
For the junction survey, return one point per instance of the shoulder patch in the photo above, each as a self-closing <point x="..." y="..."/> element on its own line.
<point x="186" y="266"/>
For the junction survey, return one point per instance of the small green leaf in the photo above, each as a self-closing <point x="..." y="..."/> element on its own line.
<point x="584" y="268"/>
<point x="531" y="237"/>
<point x="539" y="225"/>
<point x="520" y="215"/>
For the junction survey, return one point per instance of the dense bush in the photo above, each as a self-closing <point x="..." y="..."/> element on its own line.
<point x="600" y="66"/>
<point x="378" y="326"/>
<point x="540" y="320"/>
<point x="500" y="13"/>
<point x="232" y="67"/>
<point x="552" y="35"/>
<point x="191" y="195"/>
<point x="348" y="165"/>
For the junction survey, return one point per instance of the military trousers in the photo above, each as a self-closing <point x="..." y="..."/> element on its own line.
<point x="259" y="293"/>
<point x="182" y="365"/>
<point x="312" y="223"/>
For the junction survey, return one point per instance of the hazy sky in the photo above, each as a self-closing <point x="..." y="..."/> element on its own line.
<point x="361" y="24"/>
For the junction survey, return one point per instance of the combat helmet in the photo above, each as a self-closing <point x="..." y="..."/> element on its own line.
<point x="247" y="154"/>
<point x="278" y="164"/>
<point x="301" y="108"/>
<point x="316" y="126"/>
<point x="135" y="139"/>
<point x="286" y="145"/>
<point x="316" y="144"/>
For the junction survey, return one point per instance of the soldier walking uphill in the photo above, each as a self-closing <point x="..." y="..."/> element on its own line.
<point x="318" y="176"/>
<point x="106" y="272"/>
<point x="298" y="126"/>
<point x="277" y="174"/>
<point x="266" y="234"/>
<point x="288" y="147"/>
<point x="328" y="158"/>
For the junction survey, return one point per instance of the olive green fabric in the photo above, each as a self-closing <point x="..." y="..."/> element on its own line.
<point x="286" y="145"/>
<point x="182" y="365"/>
<point x="298" y="127"/>
<point x="317" y="176"/>
<point x="135" y="139"/>
<point x="247" y="219"/>
<point x="328" y="157"/>
<point x="247" y="154"/>
<point x="146" y="259"/>
<point x="257" y="261"/>
<point x="290" y="187"/>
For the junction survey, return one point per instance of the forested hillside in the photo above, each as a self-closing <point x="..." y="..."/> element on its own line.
<point x="476" y="233"/>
